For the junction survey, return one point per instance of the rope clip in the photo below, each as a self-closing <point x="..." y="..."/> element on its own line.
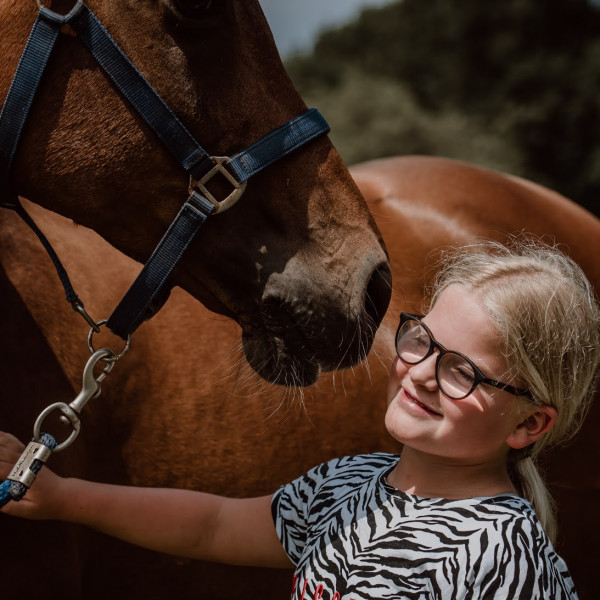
<point x="90" y="389"/>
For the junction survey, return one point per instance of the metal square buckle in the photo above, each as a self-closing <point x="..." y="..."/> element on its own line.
<point x="229" y="200"/>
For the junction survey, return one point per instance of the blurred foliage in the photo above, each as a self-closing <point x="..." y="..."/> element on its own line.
<point x="513" y="85"/>
<point x="372" y="116"/>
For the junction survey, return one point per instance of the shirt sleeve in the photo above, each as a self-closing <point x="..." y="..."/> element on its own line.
<point x="290" y="509"/>
<point x="303" y="508"/>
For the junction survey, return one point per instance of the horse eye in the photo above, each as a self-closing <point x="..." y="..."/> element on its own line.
<point x="198" y="9"/>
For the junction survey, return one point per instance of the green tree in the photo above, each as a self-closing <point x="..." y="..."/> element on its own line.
<point x="525" y="73"/>
<point x="372" y="116"/>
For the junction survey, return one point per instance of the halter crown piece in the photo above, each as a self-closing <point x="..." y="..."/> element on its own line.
<point x="148" y="291"/>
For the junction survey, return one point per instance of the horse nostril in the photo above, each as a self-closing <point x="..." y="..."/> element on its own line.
<point x="378" y="294"/>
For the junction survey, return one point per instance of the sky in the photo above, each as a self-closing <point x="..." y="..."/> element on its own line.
<point x="295" y="23"/>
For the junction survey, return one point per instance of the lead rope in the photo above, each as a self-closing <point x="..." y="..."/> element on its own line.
<point x="31" y="462"/>
<point x="70" y="294"/>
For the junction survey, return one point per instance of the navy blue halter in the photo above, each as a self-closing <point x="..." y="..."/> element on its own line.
<point x="147" y="292"/>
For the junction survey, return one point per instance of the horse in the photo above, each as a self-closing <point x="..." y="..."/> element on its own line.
<point x="298" y="263"/>
<point x="301" y="281"/>
<point x="184" y="408"/>
<point x="423" y="204"/>
<point x="190" y="412"/>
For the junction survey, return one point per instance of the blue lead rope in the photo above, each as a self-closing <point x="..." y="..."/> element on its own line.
<point x="15" y="490"/>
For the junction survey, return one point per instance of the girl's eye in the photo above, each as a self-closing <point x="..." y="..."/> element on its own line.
<point x="422" y="341"/>
<point x="417" y="340"/>
<point x="463" y="374"/>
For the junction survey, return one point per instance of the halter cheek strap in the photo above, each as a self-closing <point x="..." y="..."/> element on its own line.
<point x="148" y="290"/>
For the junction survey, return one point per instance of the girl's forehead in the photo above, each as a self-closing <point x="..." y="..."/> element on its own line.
<point x="459" y="322"/>
<point x="460" y="307"/>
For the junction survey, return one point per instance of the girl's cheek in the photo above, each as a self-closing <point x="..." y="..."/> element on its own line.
<point x="398" y="369"/>
<point x="397" y="372"/>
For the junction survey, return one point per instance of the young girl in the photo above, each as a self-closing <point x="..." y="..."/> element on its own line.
<point x="501" y="366"/>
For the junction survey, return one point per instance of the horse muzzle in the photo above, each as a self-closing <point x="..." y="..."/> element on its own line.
<point x="301" y="332"/>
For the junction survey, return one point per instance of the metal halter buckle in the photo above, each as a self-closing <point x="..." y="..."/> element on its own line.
<point x="228" y="201"/>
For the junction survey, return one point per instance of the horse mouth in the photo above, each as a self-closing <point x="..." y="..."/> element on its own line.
<point x="274" y="362"/>
<point x="295" y="356"/>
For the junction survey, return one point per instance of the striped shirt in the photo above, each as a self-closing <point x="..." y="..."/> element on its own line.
<point x="352" y="536"/>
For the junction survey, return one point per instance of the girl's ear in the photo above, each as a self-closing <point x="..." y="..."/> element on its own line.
<point x="535" y="425"/>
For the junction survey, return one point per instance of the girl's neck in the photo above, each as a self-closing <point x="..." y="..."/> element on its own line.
<point x="432" y="476"/>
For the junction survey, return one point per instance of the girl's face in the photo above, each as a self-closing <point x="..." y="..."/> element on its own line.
<point x="420" y="416"/>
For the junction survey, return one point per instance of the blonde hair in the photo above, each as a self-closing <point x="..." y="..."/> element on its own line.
<point x="549" y="320"/>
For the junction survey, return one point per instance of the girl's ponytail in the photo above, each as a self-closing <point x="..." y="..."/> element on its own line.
<point x="530" y="484"/>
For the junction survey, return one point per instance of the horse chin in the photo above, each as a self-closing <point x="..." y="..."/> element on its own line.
<point x="274" y="363"/>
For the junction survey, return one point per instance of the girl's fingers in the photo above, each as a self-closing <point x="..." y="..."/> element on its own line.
<point x="10" y="451"/>
<point x="9" y="440"/>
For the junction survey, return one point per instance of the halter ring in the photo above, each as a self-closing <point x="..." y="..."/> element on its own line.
<point x="228" y="201"/>
<point x="114" y="358"/>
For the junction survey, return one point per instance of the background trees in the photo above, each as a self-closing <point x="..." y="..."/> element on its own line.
<point x="513" y="85"/>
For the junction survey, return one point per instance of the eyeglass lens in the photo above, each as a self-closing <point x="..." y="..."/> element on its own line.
<point x="455" y="375"/>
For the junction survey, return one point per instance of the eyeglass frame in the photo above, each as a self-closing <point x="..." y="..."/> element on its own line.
<point x="435" y="345"/>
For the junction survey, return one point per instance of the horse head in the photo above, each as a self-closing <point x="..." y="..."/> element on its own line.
<point x="298" y="262"/>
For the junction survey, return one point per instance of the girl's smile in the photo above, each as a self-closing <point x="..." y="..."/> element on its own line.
<point x="417" y="407"/>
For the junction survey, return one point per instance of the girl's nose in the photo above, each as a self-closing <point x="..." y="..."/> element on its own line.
<point x="423" y="374"/>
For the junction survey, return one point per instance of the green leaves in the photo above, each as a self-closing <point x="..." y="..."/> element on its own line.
<point x="509" y="84"/>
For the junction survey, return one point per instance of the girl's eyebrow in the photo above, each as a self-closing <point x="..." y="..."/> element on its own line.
<point x="478" y="362"/>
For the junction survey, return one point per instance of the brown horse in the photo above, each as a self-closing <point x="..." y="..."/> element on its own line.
<point x="297" y="263"/>
<point x="185" y="410"/>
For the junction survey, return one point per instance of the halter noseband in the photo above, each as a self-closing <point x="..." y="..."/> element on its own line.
<point x="148" y="290"/>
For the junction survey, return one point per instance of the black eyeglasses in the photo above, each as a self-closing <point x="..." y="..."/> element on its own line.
<point x="456" y="375"/>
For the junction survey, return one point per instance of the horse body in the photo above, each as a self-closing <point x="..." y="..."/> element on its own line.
<point x="423" y="204"/>
<point x="183" y="409"/>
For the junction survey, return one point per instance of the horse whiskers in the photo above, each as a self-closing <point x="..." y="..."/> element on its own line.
<point x="241" y="374"/>
<point x="287" y="407"/>
<point x="381" y="359"/>
<point x="245" y="383"/>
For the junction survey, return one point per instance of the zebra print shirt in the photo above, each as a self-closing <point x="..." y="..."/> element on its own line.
<point x="352" y="536"/>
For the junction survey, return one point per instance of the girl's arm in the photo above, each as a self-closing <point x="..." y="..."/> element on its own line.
<point x="181" y="522"/>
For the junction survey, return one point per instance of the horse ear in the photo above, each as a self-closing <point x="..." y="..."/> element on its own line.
<point x="197" y="9"/>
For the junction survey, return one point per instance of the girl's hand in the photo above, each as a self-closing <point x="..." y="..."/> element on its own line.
<point x="42" y="500"/>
